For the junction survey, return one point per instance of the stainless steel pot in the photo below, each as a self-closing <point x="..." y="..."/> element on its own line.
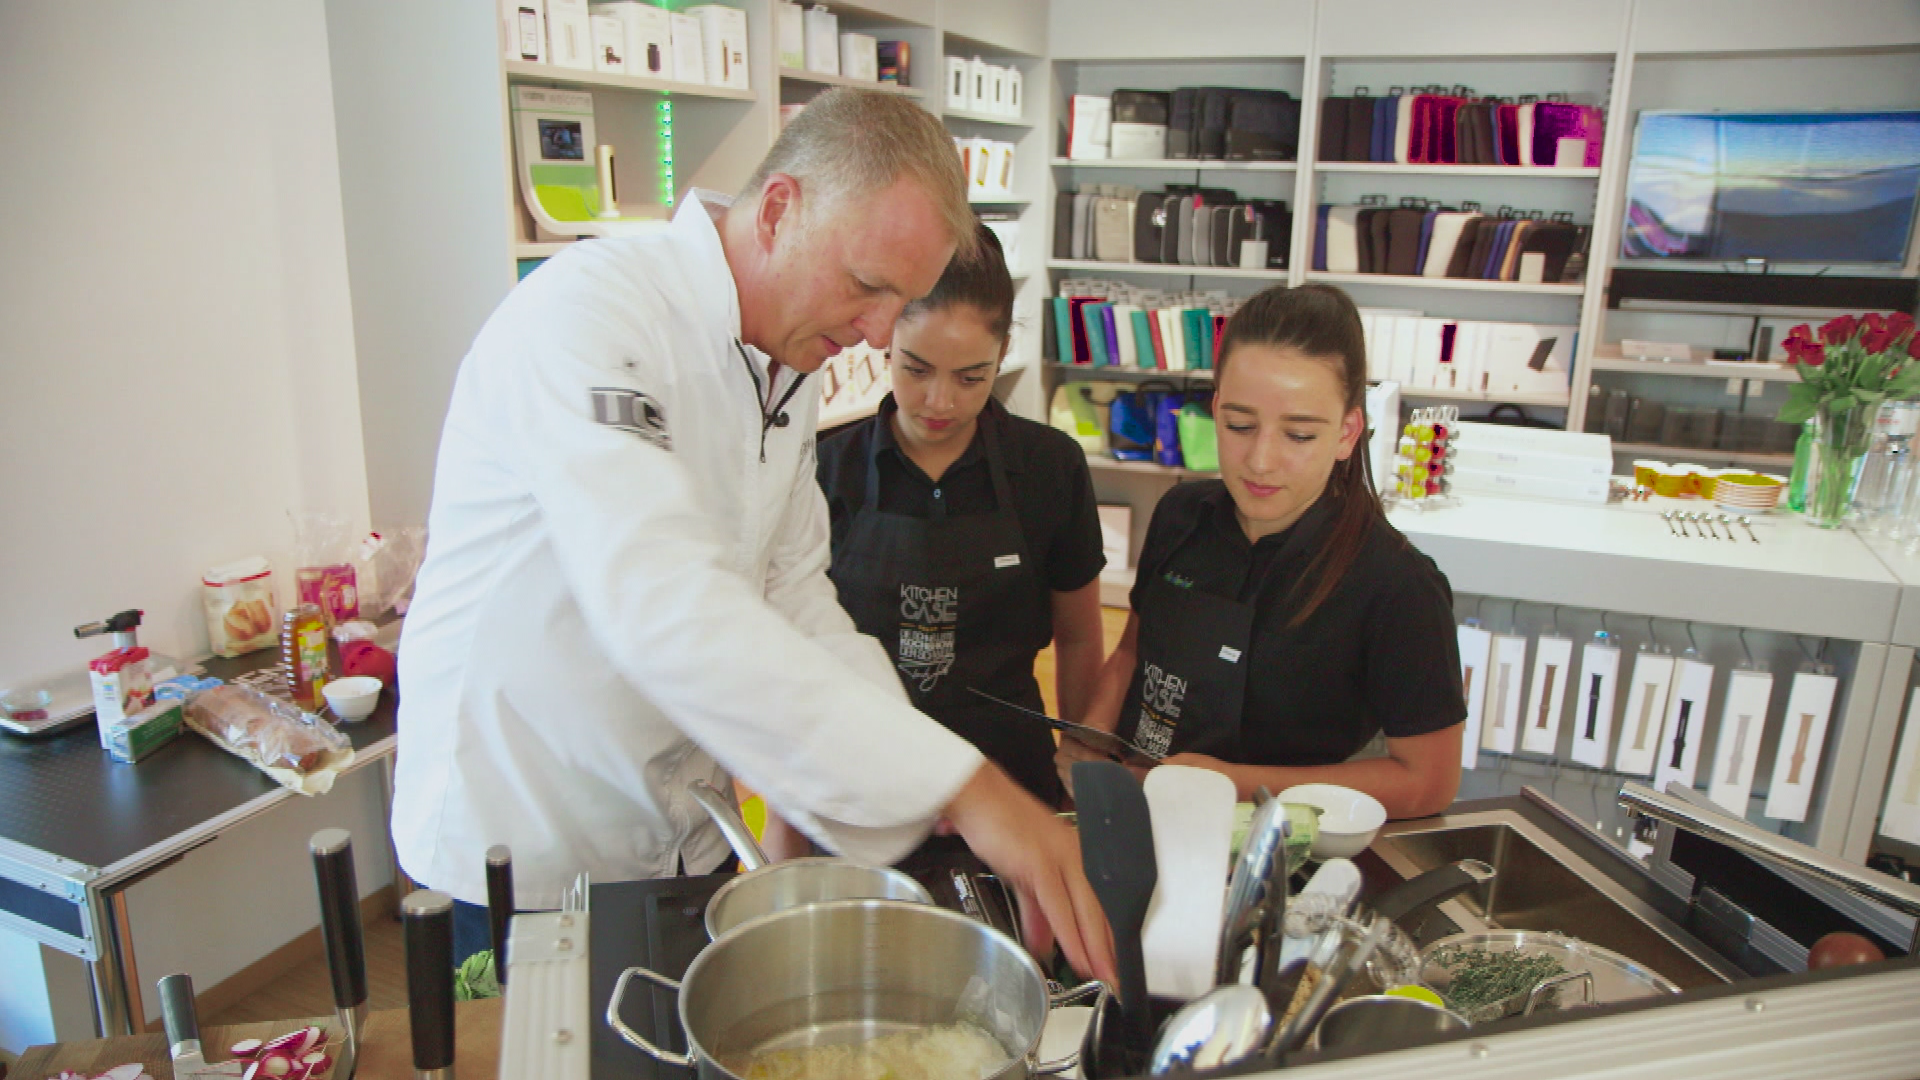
<point x="769" y="887"/>
<point x="847" y="971"/>
<point x="1385" y="1022"/>
<point x="805" y="881"/>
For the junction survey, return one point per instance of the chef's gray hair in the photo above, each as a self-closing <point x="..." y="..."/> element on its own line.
<point x="847" y="143"/>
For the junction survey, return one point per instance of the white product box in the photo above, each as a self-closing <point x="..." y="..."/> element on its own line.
<point x="1016" y="96"/>
<point x="570" y="34"/>
<point x="1116" y="534"/>
<point x="823" y="41"/>
<point x="1136" y="142"/>
<point x="980" y="84"/>
<point x="860" y="57"/>
<point x="999" y="169"/>
<point x="689" y="48"/>
<point x="723" y="34"/>
<point x="1009" y="234"/>
<point x="649" y="37"/>
<point x="959" y="83"/>
<point x="996" y="89"/>
<point x="610" y="44"/>
<point x="1089" y="127"/>
<point x="790" y="35"/>
<point x="979" y="158"/>
<point x="523" y="30"/>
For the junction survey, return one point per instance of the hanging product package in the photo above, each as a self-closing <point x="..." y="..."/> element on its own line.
<point x="238" y="601"/>
<point x="1166" y="430"/>
<point x="1072" y="411"/>
<point x="1198" y="441"/>
<point x="298" y="750"/>
<point x="1131" y="425"/>
<point x="384" y="565"/>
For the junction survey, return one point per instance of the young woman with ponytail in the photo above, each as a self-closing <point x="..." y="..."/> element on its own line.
<point x="1280" y="624"/>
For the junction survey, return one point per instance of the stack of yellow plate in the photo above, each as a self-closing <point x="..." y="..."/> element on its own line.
<point x="1748" y="493"/>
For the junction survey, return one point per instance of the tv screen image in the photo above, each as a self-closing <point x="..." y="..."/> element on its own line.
<point x="1827" y="187"/>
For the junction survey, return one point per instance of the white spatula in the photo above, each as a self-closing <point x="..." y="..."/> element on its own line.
<point x="1192" y="840"/>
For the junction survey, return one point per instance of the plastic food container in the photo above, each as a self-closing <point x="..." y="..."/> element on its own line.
<point x="26" y="705"/>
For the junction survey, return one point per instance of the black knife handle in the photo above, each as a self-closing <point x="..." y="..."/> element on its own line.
<point x="499" y="905"/>
<point x="426" y="918"/>
<point x="177" y="1010"/>
<point x="340" y="915"/>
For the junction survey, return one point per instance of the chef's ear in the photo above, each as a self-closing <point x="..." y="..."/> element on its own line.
<point x="779" y="208"/>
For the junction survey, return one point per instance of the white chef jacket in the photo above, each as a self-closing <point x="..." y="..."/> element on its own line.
<point x="625" y="589"/>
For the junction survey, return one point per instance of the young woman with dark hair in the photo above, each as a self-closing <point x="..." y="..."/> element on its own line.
<point x="1279" y="622"/>
<point x="967" y="539"/>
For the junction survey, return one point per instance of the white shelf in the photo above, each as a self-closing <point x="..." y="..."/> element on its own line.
<point x="544" y="250"/>
<point x="985" y="118"/>
<point x="1101" y="462"/>
<point x="1458" y="284"/>
<point x="817" y="79"/>
<point x="1392" y="168"/>
<point x="1182" y="164"/>
<point x="1131" y="374"/>
<point x="1552" y="401"/>
<point x="1684" y="453"/>
<point x="596" y="80"/>
<point x="1174" y="269"/>
<point x="1700" y="369"/>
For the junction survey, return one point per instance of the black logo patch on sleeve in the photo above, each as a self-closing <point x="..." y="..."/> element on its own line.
<point x="632" y="411"/>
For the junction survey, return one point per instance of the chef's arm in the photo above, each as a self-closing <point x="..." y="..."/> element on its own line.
<point x="1079" y="644"/>
<point x="798" y="586"/>
<point x="1419" y="776"/>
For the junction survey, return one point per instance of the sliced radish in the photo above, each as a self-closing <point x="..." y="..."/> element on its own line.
<point x="288" y="1041"/>
<point x="245" y="1048"/>
<point x="318" y="1058"/>
<point x="124" y="1072"/>
<point x="309" y="1039"/>
<point x="276" y="1064"/>
<point x="253" y="1071"/>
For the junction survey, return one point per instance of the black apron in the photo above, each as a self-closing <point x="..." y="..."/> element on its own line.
<point x="1190" y="681"/>
<point x="958" y="603"/>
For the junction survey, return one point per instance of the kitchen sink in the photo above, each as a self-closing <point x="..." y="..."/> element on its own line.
<point x="1540" y="885"/>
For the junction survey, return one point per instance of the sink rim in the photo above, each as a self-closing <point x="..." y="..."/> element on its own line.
<point x="1574" y="864"/>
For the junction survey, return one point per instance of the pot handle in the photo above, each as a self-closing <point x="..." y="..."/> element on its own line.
<point x="667" y="1057"/>
<point x="1067" y="997"/>
<point x="1540" y="992"/>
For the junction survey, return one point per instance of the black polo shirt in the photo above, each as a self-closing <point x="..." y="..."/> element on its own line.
<point x="1052" y="490"/>
<point x="1380" y="652"/>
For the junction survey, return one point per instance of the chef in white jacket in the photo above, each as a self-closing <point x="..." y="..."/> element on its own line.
<point x="625" y="586"/>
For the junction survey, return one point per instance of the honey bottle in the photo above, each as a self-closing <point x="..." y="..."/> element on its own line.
<point x="303" y="655"/>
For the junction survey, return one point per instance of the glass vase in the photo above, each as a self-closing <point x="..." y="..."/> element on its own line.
<point x="1839" y="440"/>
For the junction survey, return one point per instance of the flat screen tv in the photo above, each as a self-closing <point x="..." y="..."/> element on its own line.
<point x="1827" y="188"/>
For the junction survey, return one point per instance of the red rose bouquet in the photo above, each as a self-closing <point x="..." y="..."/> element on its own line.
<point x="1846" y="371"/>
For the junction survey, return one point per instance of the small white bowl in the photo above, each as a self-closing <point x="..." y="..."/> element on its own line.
<point x="352" y="698"/>
<point x="1349" y="819"/>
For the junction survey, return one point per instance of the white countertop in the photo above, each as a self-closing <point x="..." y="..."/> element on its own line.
<point x="1905" y="568"/>
<point x="1622" y="557"/>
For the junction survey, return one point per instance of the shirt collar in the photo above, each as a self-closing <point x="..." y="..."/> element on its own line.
<point x="995" y="413"/>
<point x="1301" y="536"/>
<point x="708" y="276"/>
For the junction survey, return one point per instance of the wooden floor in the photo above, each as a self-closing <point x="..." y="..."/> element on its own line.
<point x="305" y="990"/>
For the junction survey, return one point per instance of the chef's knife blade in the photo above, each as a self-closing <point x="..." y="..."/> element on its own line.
<point x="182" y="1021"/>
<point x="1105" y="741"/>
<point x="332" y="851"/>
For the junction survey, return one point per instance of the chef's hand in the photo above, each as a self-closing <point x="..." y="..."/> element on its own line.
<point x="1035" y="852"/>
<point x="1070" y="751"/>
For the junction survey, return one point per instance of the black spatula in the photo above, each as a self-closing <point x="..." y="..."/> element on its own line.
<point x="1116" y="848"/>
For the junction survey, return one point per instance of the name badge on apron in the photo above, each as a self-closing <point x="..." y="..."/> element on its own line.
<point x="1004" y="561"/>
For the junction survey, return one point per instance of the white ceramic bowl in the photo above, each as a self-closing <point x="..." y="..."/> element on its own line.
<point x="352" y="698"/>
<point x="1349" y="819"/>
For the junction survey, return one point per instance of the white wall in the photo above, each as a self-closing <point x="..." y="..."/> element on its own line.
<point x="423" y="165"/>
<point x="178" y="369"/>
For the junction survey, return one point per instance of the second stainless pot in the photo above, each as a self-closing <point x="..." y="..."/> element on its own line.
<point x="769" y="887"/>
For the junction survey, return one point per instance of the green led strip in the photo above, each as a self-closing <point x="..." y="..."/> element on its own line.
<point x="666" y="152"/>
